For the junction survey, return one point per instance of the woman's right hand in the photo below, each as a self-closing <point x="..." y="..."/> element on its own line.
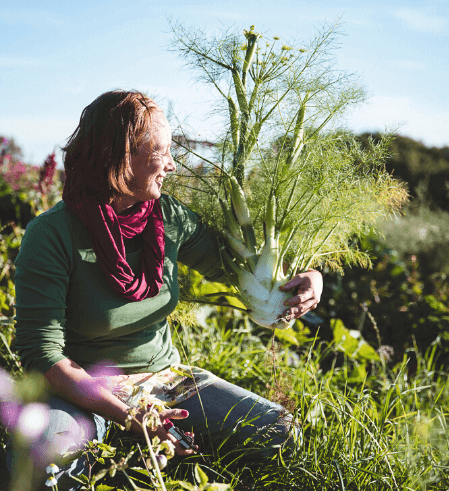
<point x="163" y="434"/>
<point x="73" y="384"/>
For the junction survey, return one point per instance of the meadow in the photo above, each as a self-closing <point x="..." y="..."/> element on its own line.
<point x="372" y="417"/>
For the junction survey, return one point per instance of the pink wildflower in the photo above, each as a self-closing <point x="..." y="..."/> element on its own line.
<point x="47" y="172"/>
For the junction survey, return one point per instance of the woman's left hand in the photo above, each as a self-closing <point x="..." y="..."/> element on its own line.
<point x="309" y="286"/>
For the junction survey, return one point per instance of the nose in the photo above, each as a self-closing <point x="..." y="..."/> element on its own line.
<point x="170" y="165"/>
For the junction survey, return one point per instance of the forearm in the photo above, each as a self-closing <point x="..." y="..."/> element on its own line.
<point x="72" y="383"/>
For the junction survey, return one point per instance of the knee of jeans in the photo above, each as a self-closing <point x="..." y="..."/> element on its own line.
<point x="289" y="434"/>
<point x="64" y="433"/>
<point x="268" y="424"/>
<point x="283" y="435"/>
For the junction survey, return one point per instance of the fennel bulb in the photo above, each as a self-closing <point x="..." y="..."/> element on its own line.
<point x="256" y="276"/>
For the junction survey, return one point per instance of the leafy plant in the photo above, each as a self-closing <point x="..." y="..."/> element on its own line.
<point x="396" y="304"/>
<point x="9" y="248"/>
<point x="283" y="190"/>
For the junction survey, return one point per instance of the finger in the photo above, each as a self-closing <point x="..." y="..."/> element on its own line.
<point x="299" y="281"/>
<point x="180" y="450"/>
<point x="300" y="299"/>
<point x="299" y="310"/>
<point x="304" y="281"/>
<point x="174" y="414"/>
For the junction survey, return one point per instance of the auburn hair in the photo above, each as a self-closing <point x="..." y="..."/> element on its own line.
<point x="98" y="153"/>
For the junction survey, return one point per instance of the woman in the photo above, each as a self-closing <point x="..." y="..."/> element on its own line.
<point x="96" y="278"/>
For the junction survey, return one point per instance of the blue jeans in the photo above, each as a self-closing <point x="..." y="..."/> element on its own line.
<point x="218" y="410"/>
<point x="68" y="426"/>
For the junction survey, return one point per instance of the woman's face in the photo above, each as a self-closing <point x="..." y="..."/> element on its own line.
<point x="151" y="164"/>
<point x="153" y="161"/>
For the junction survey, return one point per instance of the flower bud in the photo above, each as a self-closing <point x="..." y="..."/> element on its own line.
<point x="161" y="460"/>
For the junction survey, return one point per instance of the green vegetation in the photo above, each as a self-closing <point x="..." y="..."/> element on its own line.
<point x="424" y="169"/>
<point x="367" y="377"/>
<point x="384" y="430"/>
<point x="371" y="419"/>
<point x="286" y="186"/>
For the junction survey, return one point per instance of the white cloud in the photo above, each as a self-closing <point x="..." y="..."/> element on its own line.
<point x="404" y="116"/>
<point x="419" y="21"/>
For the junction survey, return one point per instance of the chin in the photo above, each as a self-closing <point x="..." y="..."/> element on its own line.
<point x="153" y="195"/>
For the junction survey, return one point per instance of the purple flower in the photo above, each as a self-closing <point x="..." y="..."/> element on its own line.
<point x="46" y="173"/>
<point x="9" y="414"/>
<point x="104" y="369"/>
<point x="101" y="373"/>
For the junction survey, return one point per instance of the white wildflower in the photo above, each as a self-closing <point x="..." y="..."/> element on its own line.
<point x="52" y="469"/>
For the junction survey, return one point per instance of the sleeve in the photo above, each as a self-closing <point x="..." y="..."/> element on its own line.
<point x="41" y="282"/>
<point x="199" y="249"/>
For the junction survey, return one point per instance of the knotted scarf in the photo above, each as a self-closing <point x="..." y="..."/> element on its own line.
<point x="107" y="230"/>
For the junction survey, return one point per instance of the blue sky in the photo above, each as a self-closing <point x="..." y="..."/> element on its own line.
<point x="57" y="56"/>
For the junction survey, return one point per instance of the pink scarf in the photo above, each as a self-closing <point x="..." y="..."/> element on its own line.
<point x="107" y="231"/>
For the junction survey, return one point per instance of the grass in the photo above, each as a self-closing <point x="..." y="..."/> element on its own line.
<point x="387" y="431"/>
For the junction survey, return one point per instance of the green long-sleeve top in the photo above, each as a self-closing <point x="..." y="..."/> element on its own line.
<point x="66" y="309"/>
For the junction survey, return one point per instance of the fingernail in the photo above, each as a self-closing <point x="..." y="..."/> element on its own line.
<point x="168" y="424"/>
<point x="184" y="413"/>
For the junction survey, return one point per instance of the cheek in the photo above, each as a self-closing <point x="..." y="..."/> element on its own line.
<point x="154" y="168"/>
<point x="148" y="174"/>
